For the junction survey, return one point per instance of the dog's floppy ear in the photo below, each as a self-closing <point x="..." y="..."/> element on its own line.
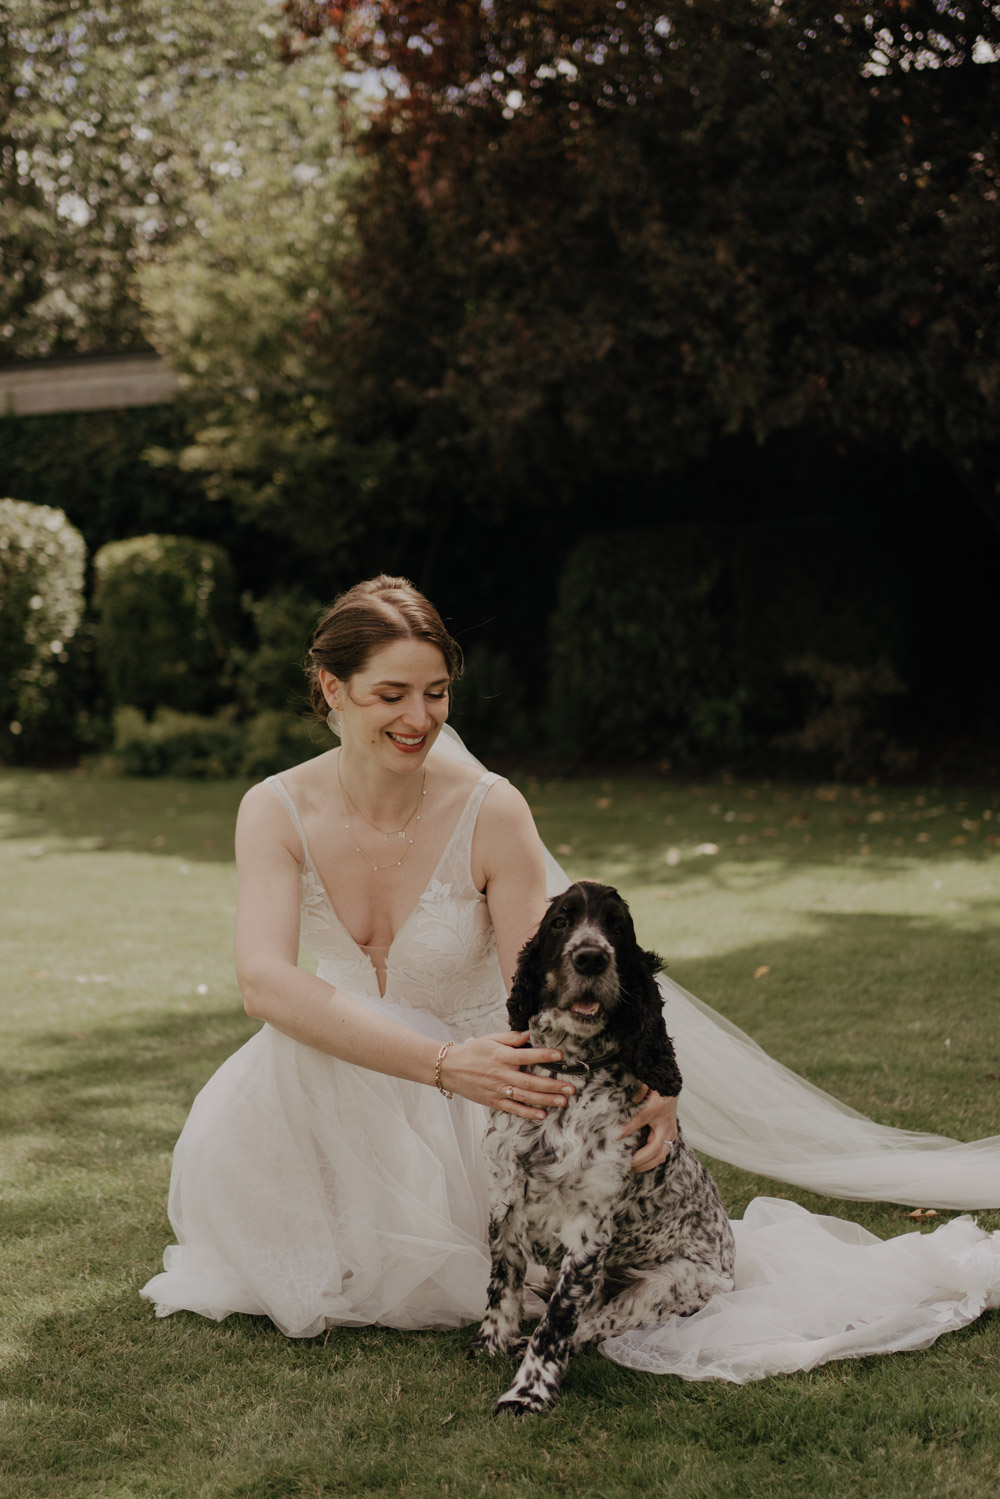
<point x="525" y="990"/>
<point x="645" y="1047"/>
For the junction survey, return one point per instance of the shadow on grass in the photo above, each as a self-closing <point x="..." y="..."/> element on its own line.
<point x="116" y="1094"/>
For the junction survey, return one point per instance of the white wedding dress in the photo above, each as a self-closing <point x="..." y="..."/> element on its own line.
<point x="320" y="1193"/>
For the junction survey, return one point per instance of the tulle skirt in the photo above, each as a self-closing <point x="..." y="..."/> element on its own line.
<point x="319" y="1193"/>
<point x="810" y="1289"/>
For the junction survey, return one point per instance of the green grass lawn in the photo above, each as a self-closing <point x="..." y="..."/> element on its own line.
<point x="854" y="932"/>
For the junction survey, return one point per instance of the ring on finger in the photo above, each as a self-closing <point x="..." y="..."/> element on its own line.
<point x="508" y="1092"/>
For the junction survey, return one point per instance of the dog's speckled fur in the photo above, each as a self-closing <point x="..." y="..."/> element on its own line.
<point x="625" y="1247"/>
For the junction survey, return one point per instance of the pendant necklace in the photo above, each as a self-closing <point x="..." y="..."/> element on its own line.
<point x="400" y="833"/>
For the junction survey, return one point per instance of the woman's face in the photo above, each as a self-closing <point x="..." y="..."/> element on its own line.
<point x="395" y="707"/>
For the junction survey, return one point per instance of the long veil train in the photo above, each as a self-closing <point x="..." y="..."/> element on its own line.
<point x="812" y="1288"/>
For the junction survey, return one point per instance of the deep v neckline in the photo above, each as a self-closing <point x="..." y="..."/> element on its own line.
<point x="288" y="801"/>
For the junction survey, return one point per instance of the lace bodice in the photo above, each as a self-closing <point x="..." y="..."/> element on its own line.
<point x="443" y="958"/>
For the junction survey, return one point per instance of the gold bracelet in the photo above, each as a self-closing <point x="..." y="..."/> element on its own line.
<point x="437" y="1070"/>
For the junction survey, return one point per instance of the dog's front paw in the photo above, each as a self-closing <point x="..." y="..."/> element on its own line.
<point x="523" y="1403"/>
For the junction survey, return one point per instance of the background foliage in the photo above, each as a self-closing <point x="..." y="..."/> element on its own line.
<point x="165" y="621"/>
<point x="41" y="586"/>
<point x="463" y="286"/>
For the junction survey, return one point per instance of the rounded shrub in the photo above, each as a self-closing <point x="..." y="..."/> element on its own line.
<point x="211" y="746"/>
<point x="640" y="661"/>
<point x="165" y="622"/>
<point x="41" y="606"/>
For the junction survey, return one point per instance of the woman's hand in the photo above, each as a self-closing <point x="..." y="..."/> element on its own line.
<point x="659" y="1116"/>
<point x="487" y="1069"/>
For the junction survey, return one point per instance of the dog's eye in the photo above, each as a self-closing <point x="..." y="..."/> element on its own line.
<point x="558" y="921"/>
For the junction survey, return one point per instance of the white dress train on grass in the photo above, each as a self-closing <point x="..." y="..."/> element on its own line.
<point x="321" y="1194"/>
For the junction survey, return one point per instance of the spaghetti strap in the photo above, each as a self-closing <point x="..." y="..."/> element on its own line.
<point x="285" y="798"/>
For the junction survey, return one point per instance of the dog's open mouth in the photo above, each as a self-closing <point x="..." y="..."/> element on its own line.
<point x="587" y="1009"/>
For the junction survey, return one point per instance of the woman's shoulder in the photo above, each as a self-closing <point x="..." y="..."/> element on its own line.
<point x="505" y="818"/>
<point x="265" y="807"/>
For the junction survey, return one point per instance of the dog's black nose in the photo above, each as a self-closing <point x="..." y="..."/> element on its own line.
<point x="590" y="960"/>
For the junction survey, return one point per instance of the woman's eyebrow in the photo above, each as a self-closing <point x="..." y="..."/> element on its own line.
<point x="439" y="682"/>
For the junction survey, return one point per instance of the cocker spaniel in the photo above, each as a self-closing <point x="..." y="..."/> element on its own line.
<point x="626" y="1247"/>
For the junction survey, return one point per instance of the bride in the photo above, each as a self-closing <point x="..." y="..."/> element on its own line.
<point x="330" y="1172"/>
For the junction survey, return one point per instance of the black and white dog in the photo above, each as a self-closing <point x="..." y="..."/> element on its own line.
<point x="626" y="1247"/>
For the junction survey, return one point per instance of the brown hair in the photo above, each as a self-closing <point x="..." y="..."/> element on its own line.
<point x="363" y="620"/>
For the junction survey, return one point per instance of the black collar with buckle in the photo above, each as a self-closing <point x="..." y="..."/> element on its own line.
<point x="560" y="1069"/>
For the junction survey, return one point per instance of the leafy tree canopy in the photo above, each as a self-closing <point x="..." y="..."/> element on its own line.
<point x="595" y="236"/>
<point x="116" y="118"/>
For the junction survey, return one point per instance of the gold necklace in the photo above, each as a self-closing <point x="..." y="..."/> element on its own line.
<point x="414" y="817"/>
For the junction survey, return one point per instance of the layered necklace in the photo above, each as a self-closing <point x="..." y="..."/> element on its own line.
<point x="400" y="833"/>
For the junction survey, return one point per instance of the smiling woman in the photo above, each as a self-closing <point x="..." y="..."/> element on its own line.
<point x="331" y="1171"/>
<point x="321" y="1177"/>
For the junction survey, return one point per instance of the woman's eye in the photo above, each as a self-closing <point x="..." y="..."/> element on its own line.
<point x="437" y="696"/>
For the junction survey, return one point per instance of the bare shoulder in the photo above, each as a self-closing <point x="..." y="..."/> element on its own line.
<point x="311" y="780"/>
<point x="505" y="832"/>
<point x="263" y="821"/>
<point x="504" y="808"/>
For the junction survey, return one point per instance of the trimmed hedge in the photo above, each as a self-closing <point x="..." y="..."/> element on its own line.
<point x="41" y="588"/>
<point x="778" y="644"/>
<point x="166" y="622"/>
<point x="211" y="748"/>
<point x="641" y="658"/>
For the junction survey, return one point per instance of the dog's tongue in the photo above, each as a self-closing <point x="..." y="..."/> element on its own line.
<point x="586" y="1007"/>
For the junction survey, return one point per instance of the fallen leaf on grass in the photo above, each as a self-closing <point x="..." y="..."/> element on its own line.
<point x="923" y="1213"/>
<point x="707" y="848"/>
<point x="38" y="973"/>
<point x="603" y="802"/>
<point x="564" y="848"/>
<point x="764" y="968"/>
<point x="672" y="857"/>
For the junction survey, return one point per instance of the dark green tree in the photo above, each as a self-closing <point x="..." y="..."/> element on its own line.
<point x="593" y="238"/>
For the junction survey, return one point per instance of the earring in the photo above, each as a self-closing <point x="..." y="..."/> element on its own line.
<point x="333" y="722"/>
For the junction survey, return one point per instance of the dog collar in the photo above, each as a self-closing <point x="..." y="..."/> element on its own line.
<point x="560" y="1069"/>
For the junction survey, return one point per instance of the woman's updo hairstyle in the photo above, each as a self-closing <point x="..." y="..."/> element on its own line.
<point x="363" y="620"/>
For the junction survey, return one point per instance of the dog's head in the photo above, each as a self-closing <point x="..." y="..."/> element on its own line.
<point x="584" y="984"/>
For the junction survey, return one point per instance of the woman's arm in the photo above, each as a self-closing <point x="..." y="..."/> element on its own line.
<point x="312" y="1011"/>
<point x="508" y="856"/>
